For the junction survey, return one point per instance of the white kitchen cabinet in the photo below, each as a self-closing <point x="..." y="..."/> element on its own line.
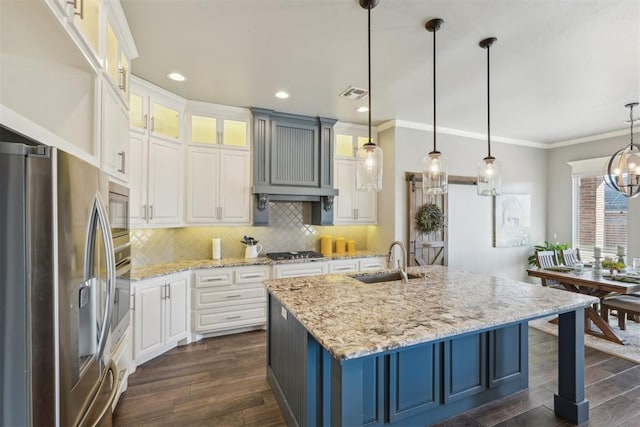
<point x="116" y="65"/>
<point x="373" y="263"/>
<point x="155" y="112"/>
<point x="155" y="179"/>
<point x="352" y="206"/>
<point x="115" y="134"/>
<point x="218" y="125"/>
<point x="218" y="186"/>
<point x="229" y="300"/>
<point x="84" y="18"/>
<point x="160" y="315"/>
<point x="300" y="269"/>
<point x="351" y="265"/>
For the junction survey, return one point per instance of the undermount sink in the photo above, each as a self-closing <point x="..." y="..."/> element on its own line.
<point x="383" y="277"/>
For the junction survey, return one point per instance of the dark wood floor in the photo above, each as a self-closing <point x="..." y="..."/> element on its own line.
<point x="221" y="382"/>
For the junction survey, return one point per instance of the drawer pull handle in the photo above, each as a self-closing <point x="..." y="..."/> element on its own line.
<point x="253" y="276"/>
<point x="372" y="265"/>
<point x="342" y="268"/>
<point x="234" y="296"/>
<point x="233" y="317"/>
<point x="213" y="279"/>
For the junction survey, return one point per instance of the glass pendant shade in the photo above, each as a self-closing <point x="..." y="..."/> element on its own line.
<point x="434" y="173"/>
<point x="489" y="177"/>
<point x="369" y="168"/>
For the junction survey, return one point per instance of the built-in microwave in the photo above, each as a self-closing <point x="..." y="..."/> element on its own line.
<point x="119" y="220"/>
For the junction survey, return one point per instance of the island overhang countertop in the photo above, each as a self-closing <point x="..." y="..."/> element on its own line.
<point x="353" y="319"/>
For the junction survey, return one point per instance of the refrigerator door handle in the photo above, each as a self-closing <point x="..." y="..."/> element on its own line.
<point x="96" y="416"/>
<point x="107" y="240"/>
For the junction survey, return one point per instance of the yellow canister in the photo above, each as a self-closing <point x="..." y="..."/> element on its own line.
<point x="340" y="245"/>
<point x="325" y="245"/>
<point x="351" y="246"/>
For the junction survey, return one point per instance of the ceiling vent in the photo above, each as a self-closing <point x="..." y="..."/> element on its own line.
<point x="354" y="93"/>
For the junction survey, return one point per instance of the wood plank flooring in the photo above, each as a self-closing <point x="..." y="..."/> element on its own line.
<point x="221" y="382"/>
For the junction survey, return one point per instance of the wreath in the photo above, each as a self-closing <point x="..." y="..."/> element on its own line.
<point x="429" y="218"/>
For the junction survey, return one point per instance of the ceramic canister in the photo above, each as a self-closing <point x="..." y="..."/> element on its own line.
<point x="340" y="245"/>
<point x="325" y="245"/>
<point x="351" y="246"/>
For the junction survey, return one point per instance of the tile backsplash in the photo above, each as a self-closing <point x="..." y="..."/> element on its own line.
<point x="286" y="232"/>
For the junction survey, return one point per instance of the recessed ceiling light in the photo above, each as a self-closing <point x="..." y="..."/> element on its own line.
<point x="282" y="94"/>
<point x="362" y="109"/>
<point x="176" y="77"/>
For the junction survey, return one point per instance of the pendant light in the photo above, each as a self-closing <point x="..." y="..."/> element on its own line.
<point x="369" y="156"/>
<point x="489" y="168"/>
<point x="623" y="169"/>
<point x="434" y="171"/>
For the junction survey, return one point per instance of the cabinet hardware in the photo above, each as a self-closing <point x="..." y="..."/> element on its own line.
<point x="132" y="302"/>
<point x="75" y="6"/>
<point x="150" y="212"/>
<point x="168" y="291"/>
<point x="164" y="292"/>
<point x="342" y="268"/>
<point x="153" y="123"/>
<point x="372" y="265"/>
<point x="357" y="213"/>
<point x="145" y="120"/>
<point x="234" y="296"/>
<point x="145" y="212"/>
<point x="253" y="276"/>
<point x="212" y="279"/>
<point x="122" y="73"/>
<point x="122" y="155"/>
<point x="233" y="317"/>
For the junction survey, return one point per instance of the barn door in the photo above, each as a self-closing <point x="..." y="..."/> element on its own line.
<point x="425" y="248"/>
<point x="429" y="248"/>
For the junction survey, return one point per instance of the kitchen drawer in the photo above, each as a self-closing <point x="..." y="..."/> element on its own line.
<point x="300" y="270"/>
<point x="344" y="266"/>
<point x="373" y="263"/>
<point x="214" y="277"/>
<point x="242" y="315"/>
<point x="208" y="298"/>
<point x="252" y="275"/>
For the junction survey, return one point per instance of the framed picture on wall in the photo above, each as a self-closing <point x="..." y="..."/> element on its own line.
<point x="511" y="220"/>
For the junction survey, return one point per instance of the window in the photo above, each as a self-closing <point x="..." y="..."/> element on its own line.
<point x="600" y="216"/>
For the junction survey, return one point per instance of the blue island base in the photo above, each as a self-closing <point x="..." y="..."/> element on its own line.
<point x="415" y="385"/>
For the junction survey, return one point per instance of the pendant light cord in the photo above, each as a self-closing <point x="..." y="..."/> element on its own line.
<point x="434" y="90"/>
<point x="488" y="104"/>
<point x="369" y="64"/>
<point x="631" y="125"/>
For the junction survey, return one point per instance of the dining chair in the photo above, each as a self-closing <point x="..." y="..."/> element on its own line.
<point x="570" y="256"/>
<point x="546" y="259"/>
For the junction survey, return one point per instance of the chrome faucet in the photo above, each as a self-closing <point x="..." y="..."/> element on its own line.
<point x="402" y="270"/>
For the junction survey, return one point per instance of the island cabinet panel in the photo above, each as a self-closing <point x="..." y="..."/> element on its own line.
<point x="414" y="381"/>
<point x="508" y="355"/>
<point x="465" y="364"/>
<point x="287" y="357"/>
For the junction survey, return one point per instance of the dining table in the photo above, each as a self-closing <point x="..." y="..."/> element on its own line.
<point x="587" y="283"/>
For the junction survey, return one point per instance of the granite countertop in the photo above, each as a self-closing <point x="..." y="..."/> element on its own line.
<point x="353" y="319"/>
<point x="155" y="270"/>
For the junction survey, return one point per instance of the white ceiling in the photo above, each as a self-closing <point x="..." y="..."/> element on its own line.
<point x="561" y="69"/>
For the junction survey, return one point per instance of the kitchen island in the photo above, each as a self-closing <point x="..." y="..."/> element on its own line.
<point x="342" y="352"/>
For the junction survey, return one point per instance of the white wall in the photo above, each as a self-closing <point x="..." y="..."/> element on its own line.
<point x="470" y="215"/>
<point x="559" y="207"/>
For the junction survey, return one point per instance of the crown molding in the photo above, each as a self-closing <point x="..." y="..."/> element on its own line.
<point x="449" y="131"/>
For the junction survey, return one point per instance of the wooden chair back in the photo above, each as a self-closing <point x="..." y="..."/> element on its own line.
<point x="570" y="256"/>
<point x="546" y="259"/>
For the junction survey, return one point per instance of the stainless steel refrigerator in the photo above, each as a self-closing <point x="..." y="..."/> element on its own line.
<point x="57" y="281"/>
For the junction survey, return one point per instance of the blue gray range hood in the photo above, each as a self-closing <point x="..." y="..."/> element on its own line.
<point x="292" y="161"/>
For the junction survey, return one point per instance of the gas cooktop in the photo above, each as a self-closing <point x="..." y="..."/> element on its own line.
<point x="279" y="256"/>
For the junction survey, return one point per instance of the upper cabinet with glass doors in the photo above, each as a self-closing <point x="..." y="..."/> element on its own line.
<point x="218" y="125"/>
<point x="154" y="111"/>
<point x="117" y="53"/>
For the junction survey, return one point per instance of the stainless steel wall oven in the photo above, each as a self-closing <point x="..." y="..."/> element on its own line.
<point x="119" y="220"/>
